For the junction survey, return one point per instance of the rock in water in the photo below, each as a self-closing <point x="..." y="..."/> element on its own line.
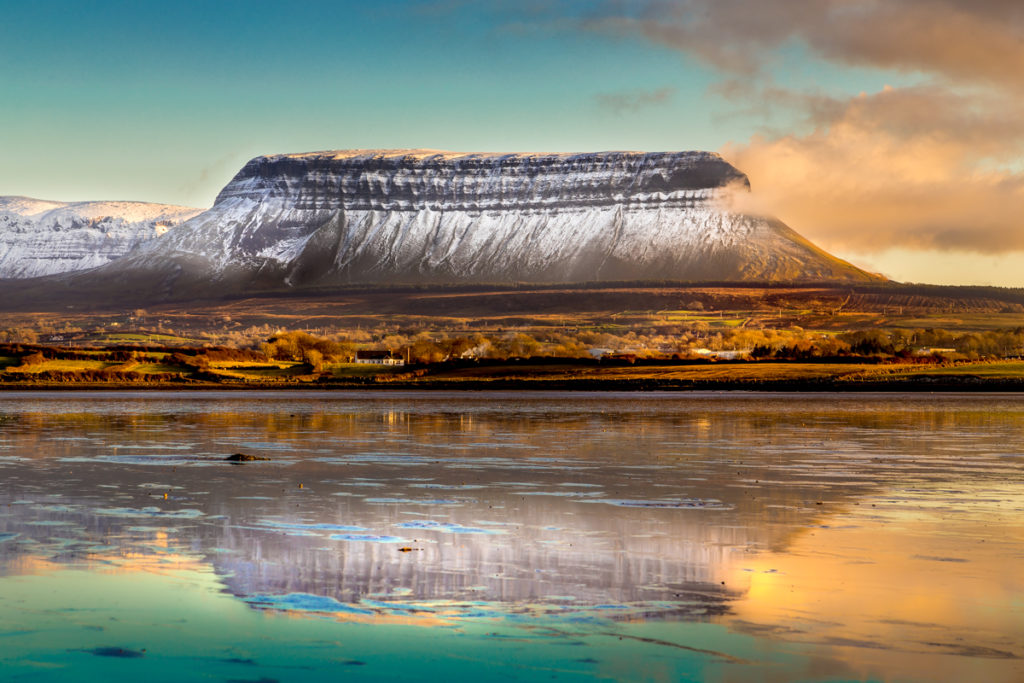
<point x="39" y="237"/>
<point x="420" y="216"/>
<point x="244" y="457"/>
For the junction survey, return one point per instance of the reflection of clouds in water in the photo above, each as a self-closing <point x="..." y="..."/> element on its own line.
<point x="707" y="489"/>
<point x="550" y="611"/>
<point x="511" y="555"/>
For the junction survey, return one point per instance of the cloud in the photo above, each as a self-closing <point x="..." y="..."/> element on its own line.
<point x="914" y="167"/>
<point x="934" y="166"/>
<point x="634" y="100"/>
<point x="978" y="41"/>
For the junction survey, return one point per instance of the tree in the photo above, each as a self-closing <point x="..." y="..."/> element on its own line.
<point x="314" y="359"/>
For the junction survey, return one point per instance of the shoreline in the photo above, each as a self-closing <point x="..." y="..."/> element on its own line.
<point x="916" y="385"/>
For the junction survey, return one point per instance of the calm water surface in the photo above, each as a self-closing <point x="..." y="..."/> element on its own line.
<point x="500" y="536"/>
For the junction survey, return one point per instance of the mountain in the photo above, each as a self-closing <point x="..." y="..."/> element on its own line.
<point x="39" y="237"/>
<point x="420" y="216"/>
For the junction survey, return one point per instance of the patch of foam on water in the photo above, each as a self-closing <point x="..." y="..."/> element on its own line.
<point x="149" y="512"/>
<point x="368" y="538"/>
<point x="300" y="526"/>
<point x="304" y="602"/>
<point x="446" y="527"/>
<point x="377" y="459"/>
<point x="417" y="501"/>
<point x="560" y="494"/>
<point x="449" y="487"/>
<point x="54" y="508"/>
<point x="685" y="503"/>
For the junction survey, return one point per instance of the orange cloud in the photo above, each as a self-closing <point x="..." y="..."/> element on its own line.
<point x="981" y="40"/>
<point x="914" y="168"/>
<point x="936" y="166"/>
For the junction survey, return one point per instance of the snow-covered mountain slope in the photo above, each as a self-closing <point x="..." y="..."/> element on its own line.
<point x="39" y="237"/>
<point x="420" y="216"/>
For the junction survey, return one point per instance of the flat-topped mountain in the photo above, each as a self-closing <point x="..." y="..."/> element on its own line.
<point x="423" y="216"/>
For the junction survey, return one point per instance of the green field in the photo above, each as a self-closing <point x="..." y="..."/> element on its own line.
<point x="263" y="373"/>
<point x="362" y="370"/>
<point x="723" y="372"/>
<point x="113" y="338"/>
<point x="68" y="366"/>
<point x="994" y="370"/>
<point x="156" y="368"/>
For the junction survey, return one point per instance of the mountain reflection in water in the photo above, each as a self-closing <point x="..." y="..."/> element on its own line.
<point x="435" y="508"/>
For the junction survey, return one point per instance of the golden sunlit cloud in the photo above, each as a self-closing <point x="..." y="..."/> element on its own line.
<point x="881" y="171"/>
<point x="934" y="166"/>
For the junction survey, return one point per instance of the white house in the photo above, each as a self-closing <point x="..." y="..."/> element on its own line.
<point x="377" y="357"/>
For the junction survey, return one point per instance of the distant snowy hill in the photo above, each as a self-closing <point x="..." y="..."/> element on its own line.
<point x="39" y="237"/>
<point x="421" y="216"/>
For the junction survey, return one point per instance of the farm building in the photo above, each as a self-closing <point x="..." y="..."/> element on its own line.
<point x="378" y="357"/>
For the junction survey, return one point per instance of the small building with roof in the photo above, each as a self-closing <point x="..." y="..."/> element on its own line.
<point x="378" y="357"/>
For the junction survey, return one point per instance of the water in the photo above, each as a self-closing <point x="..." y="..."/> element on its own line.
<point x="503" y="536"/>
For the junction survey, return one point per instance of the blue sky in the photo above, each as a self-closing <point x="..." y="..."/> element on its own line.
<point x="163" y="102"/>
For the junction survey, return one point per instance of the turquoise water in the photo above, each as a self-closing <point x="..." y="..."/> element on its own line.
<point x="434" y="536"/>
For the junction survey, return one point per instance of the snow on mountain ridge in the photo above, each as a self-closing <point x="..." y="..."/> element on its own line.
<point x="43" y="237"/>
<point x="427" y="216"/>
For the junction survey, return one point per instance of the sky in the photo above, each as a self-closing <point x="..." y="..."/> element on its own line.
<point x="887" y="131"/>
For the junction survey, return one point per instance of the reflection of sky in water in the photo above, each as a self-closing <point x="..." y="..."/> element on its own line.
<point x="854" y="537"/>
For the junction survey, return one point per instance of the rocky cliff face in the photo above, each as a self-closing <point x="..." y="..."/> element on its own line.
<point x="40" y="237"/>
<point x="419" y="216"/>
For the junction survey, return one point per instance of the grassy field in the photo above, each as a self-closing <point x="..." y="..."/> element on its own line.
<point x="524" y="375"/>
<point x="612" y="306"/>
<point x="112" y="338"/>
<point x="994" y="370"/>
<point x="724" y="319"/>
<point x="246" y="367"/>
<point x="720" y="372"/>
<point x="68" y="366"/>
<point x="343" y="370"/>
<point x="156" y="368"/>
<point x="263" y="373"/>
